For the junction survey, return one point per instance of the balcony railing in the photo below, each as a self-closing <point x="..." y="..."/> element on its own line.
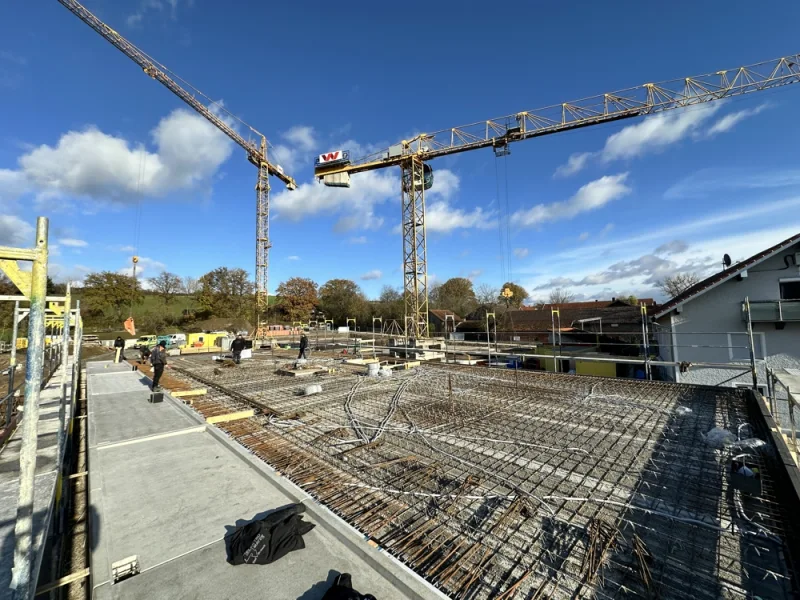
<point x="773" y="311"/>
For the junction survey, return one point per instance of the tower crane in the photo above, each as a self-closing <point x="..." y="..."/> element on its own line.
<point x="335" y="168"/>
<point x="256" y="153"/>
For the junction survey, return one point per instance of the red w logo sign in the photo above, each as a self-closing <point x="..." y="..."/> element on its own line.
<point x="330" y="156"/>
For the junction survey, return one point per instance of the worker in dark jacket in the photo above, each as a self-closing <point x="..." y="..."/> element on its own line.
<point x="120" y="343"/>
<point x="303" y="346"/>
<point x="236" y="348"/>
<point x="158" y="358"/>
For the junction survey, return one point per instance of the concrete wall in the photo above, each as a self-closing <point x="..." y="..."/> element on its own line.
<point x="715" y="320"/>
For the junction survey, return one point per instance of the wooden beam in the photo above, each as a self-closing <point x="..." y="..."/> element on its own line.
<point x="184" y="393"/>
<point x="66" y="580"/>
<point x="235" y="416"/>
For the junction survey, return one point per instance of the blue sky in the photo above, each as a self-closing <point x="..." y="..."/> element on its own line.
<point x="89" y="141"/>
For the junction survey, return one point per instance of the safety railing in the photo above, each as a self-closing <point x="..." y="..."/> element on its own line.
<point x="783" y="406"/>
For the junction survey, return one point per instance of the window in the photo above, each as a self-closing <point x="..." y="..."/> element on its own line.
<point x="739" y="345"/>
<point x="790" y="289"/>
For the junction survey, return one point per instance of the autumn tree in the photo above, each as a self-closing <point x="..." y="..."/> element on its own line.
<point x="166" y="285"/>
<point x="390" y="304"/>
<point x="110" y="291"/>
<point x="673" y="285"/>
<point x="342" y="299"/>
<point x="456" y="294"/>
<point x="226" y="292"/>
<point x="486" y="293"/>
<point x="518" y="294"/>
<point x="297" y="297"/>
<point x="561" y="296"/>
<point x="190" y="285"/>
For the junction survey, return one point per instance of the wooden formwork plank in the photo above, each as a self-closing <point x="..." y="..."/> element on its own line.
<point x="234" y="416"/>
<point x="185" y="393"/>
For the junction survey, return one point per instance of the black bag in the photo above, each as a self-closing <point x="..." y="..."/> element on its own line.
<point x="273" y="537"/>
<point x="342" y="589"/>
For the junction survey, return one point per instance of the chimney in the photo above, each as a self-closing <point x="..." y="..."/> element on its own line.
<point x="613" y="299"/>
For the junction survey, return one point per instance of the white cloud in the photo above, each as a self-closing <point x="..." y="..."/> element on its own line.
<point x="653" y="134"/>
<point x="357" y="202"/>
<point x="730" y="121"/>
<point x="370" y="275"/>
<point x="591" y="196"/>
<point x="673" y="247"/>
<point x="18" y="60"/>
<point x="606" y="230"/>
<point x="713" y="182"/>
<point x="15" y="232"/>
<point x="106" y="168"/>
<point x="145" y="265"/>
<point x="474" y="274"/>
<point x="576" y="162"/>
<point x="583" y="237"/>
<point x="521" y="252"/>
<point x="146" y="6"/>
<point x="361" y="239"/>
<point x="13" y="185"/>
<point x="126" y="249"/>
<point x="73" y="243"/>
<point x="441" y="217"/>
<point x="301" y="136"/>
<point x="292" y="258"/>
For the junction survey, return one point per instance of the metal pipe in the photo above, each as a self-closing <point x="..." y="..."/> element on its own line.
<point x="752" y="348"/>
<point x="62" y="409"/>
<point x="23" y="528"/>
<point x="12" y="366"/>
<point x="76" y="364"/>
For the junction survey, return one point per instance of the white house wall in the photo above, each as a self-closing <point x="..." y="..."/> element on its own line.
<point x="714" y="319"/>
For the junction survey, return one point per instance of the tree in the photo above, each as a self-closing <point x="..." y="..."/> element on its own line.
<point x="519" y="294"/>
<point x="166" y="285"/>
<point x="297" y="297"/>
<point x="390" y="304"/>
<point x="632" y="300"/>
<point x="55" y="289"/>
<point x="190" y="285"/>
<point x="111" y="291"/>
<point x="561" y="296"/>
<point x="342" y="299"/>
<point x="486" y="293"/>
<point x="456" y="294"/>
<point x="226" y="292"/>
<point x="673" y="285"/>
<point x="390" y="294"/>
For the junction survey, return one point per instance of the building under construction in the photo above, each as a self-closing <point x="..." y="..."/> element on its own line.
<point x="492" y="483"/>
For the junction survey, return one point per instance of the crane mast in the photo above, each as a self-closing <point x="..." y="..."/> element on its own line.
<point x="256" y="153"/>
<point x="334" y="169"/>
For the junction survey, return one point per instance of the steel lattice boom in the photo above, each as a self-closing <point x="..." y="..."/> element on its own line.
<point x="256" y="153"/>
<point x="646" y="99"/>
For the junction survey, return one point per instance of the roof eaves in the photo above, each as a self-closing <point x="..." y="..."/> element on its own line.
<point x="746" y="264"/>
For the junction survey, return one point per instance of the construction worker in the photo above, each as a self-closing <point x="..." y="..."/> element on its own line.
<point x="236" y="348"/>
<point x="303" y="346"/>
<point x="158" y="358"/>
<point x="120" y="343"/>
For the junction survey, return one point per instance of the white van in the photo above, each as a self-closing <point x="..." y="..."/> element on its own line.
<point x="175" y="340"/>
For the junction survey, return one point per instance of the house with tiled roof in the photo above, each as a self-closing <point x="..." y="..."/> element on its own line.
<point x="707" y="322"/>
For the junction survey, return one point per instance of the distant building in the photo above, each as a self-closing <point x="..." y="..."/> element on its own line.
<point x="707" y="323"/>
<point x="437" y="319"/>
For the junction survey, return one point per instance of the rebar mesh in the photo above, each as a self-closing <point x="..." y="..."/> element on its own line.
<point x="492" y="483"/>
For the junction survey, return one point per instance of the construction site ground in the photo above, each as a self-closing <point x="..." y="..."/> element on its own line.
<point x="494" y="483"/>
<point x="167" y="487"/>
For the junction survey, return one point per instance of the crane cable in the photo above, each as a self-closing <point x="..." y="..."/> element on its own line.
<point x="503" y="222"/>
<point x="499" y="219"/>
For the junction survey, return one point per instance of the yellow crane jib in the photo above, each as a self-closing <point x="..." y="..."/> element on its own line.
<point x="335" y="168"/>
<point x="256" y="154"/>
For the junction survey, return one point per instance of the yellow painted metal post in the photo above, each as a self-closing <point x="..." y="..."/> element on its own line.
<point x="64" y="361"/>
<point x="23" y="528"/>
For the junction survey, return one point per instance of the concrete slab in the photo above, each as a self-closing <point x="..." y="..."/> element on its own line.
<point x="171" y="498"/>
<point x="118" y="383"/>
<point x="129" y="416"/>
<point x="106" y="366"/>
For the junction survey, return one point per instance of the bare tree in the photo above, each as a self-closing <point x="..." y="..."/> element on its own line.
<point x="166" y="285"/>
<point x="561" y="296"/>
<point x="675" y="284"/>
<point x="486" y="293"/>
<point x="191" y="285"/>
